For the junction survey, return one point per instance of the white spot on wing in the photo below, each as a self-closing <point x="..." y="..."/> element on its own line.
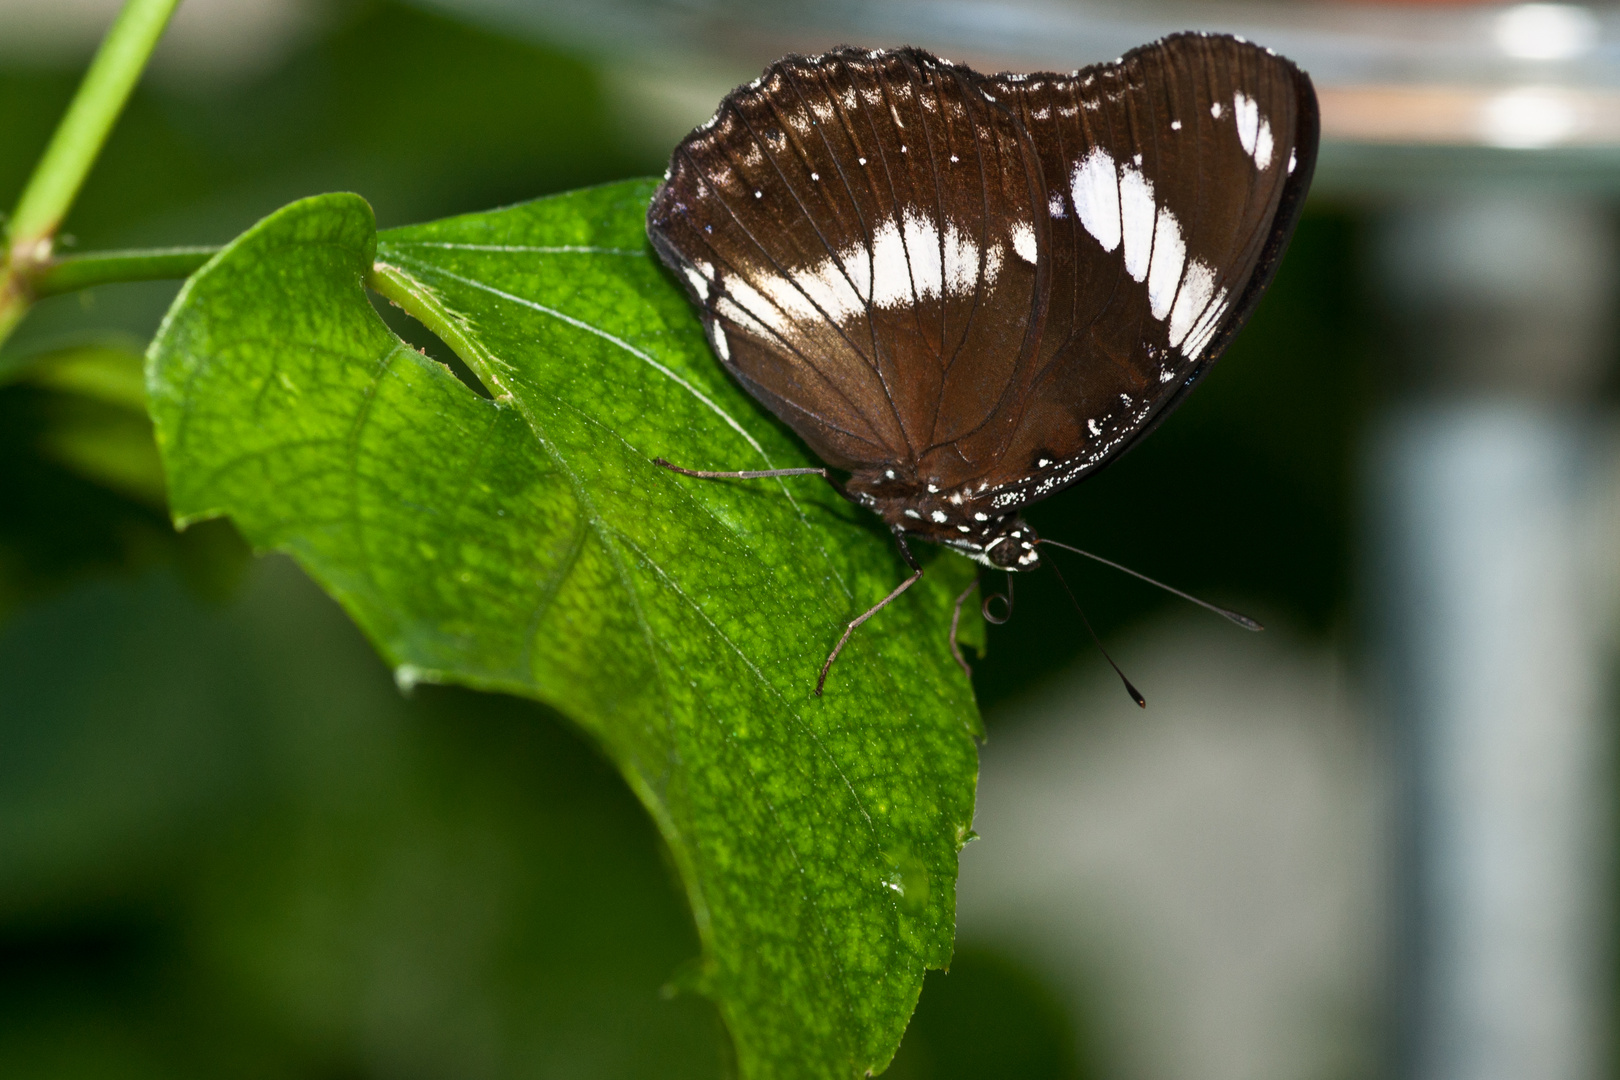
<point x="1215" y="110"/>
<point x="1095" y="188"/>
<point x="1197" y="286"/>
<point x="788" y="296"/>
<point x="938" y="516"/>
<point x="922" y="252"/>
<point x="755" y="308"/>
<point x="1205" y="328"/>
<point x="961" y="261"/>
<point x="1263" y="146"/>
<point x="1175" y="125"/>
<point x="1169" y="252"/>
<point x="1247" y="115"/>
<point x="1292" y="161"/>
<point x="1136" y="215"/>
<point x="829" y="289"/>
<point x="721" y="345"/>
<point x="699" y="280"/>
<point x="1054" y="204"/>
<point x="1023" y="241"/>
<point x="891" y="276"/>
<point x="908" y="261"/>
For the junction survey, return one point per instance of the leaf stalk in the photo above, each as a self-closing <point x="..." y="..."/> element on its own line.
<point x="74" y="272"/>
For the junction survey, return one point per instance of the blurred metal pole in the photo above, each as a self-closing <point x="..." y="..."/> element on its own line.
<point x="1483" y="490"/>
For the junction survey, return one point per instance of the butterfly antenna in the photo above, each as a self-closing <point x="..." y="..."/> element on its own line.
<point x="1136" y="695"/>
<point x="1005" y="598"/>
<point x="1225" y="613"/>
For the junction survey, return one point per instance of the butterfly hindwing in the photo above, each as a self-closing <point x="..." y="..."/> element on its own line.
<point x="857" y="230"/>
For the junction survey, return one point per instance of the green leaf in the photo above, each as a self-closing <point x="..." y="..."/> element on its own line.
<point x="524" y="542"/>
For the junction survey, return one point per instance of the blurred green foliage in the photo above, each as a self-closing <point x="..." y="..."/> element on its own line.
<point x="986" y="1017"/>
<point x="231" y="847"/>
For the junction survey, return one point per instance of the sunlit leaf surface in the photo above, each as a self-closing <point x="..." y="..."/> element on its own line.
<point x="524" y="542"/>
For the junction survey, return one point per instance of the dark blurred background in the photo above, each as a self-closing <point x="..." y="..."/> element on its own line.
<point x="229" y="846"/>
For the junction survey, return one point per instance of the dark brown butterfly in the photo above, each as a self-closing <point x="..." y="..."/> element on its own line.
<point x="969" y="292"/>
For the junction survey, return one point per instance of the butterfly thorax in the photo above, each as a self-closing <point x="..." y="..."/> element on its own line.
<point x="955" y="519"/>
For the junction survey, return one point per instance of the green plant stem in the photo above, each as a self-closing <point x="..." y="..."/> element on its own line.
<point x="84" y="129"/>
<point x="86" y="271"/>
<point x="73" y="150"/>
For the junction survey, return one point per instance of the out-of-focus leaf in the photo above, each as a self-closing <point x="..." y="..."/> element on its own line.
<point x="93" y="421"/>
<point x="526" y="543"/>
<point x="231" y="848"/>
<point x="109" y="445"/>
<point x="110" y="374"/>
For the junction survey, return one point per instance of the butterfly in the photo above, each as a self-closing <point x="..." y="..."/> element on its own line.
<point x="968" y="292"/>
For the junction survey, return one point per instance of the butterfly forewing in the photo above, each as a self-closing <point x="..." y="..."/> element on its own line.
<point x="1172" y="179"/>
<point x="852" y="226"/>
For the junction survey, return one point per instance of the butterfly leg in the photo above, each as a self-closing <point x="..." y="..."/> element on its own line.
<point x="750" y="474"/>
<point x="911" y="560"/>
<point x="956" y="620"/>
